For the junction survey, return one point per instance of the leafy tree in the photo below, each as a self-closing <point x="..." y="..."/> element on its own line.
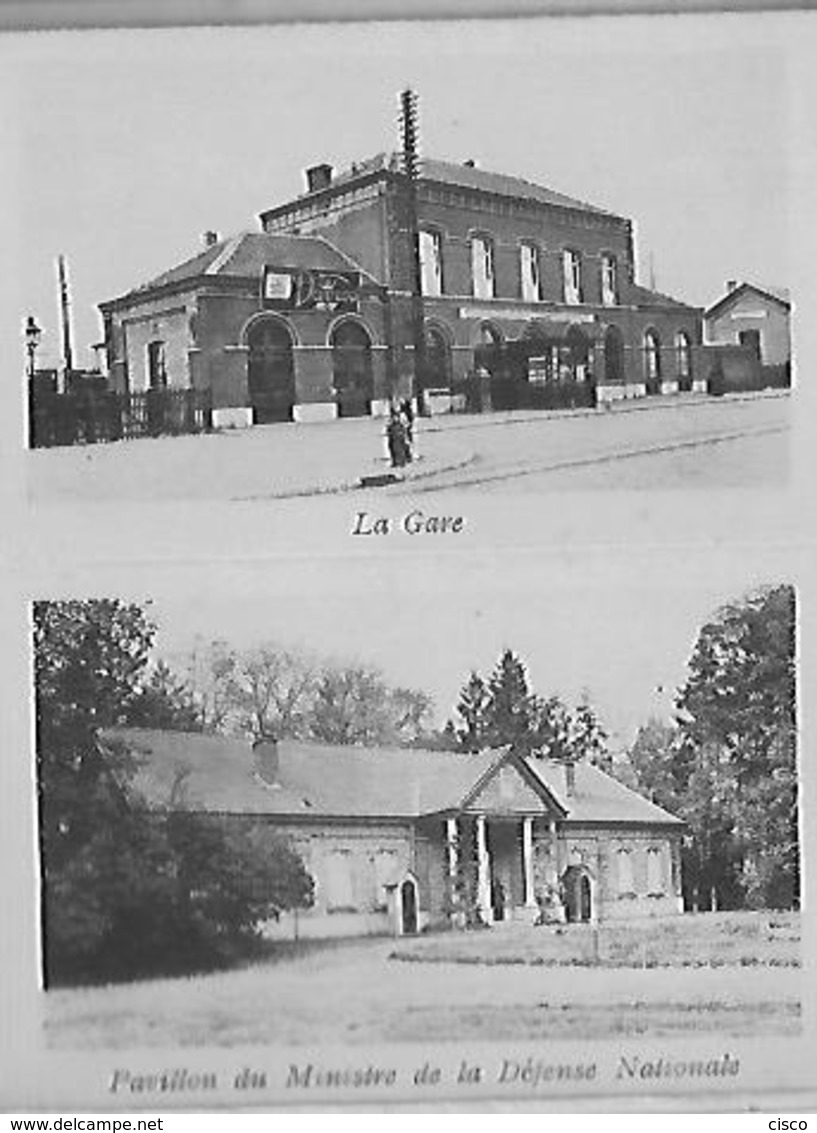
<point x="737" y="758"/>
<point x="269" y="691"/>
<point x="728" y="765"/>
<point x="89" y="661"/>
<point x="472" y="709"/>
<point x="355" y="705"/>
<point x="281" y="691"/>
<point x="651" y="757"/>
<point x="511" y="709"/>
<point x="505" y="710"/>
<point x="165" y="702"/>
<point x="127" y="889"/>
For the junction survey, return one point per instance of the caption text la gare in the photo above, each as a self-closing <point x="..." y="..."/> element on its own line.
<point x="415" y="522"/>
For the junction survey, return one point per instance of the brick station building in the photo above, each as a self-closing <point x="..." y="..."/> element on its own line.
<point x="398" y="840"/>
<point x="529" y="298"/>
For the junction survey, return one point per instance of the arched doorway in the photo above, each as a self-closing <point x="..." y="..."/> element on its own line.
<point x="578" y="894"/>
<point x="437" y="360"/>
<point x="409" y="922"/>
<point x="271" y="371"/>
<point x="614" y="356"/>
<point x="352" y="369"/>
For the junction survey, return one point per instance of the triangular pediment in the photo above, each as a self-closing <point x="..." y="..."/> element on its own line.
<point x="509" y="788"/>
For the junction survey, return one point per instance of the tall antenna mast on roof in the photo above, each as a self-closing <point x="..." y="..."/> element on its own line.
<point x="410" y="141"/>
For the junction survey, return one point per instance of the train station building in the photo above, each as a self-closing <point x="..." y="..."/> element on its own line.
<point x="527" y="298"/>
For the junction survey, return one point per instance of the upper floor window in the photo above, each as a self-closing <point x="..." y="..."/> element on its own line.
<point x="572" y="274"/>
<point x="482" y="267"/>
<point x="431" y="262"/>
<point x="529" y="269"/>
<point x="609" y="280"/>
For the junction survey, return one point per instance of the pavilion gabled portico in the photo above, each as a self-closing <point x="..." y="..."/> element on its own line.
<point x="502" y="846"/>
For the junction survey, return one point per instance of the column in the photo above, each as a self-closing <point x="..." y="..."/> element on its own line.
<point x="554" y="854"/>
<point x="483" y="872"/>
<point x="677" y="882"/>
<point x="527" y="862"/>
<point x="451" y="849"/>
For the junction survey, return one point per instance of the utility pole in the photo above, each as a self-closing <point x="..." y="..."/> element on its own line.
<point x="409" y="129"/>
<point x="67" y="352"/>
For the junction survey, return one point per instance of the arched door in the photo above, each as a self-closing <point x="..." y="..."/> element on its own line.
<point x="437" y="361"/>
<point x="578" y="895"/>
<point x="614" y="356"/>
<point x="271" y="372"/>
<point x="352" y="370"/>
<point x="408" y="907"/>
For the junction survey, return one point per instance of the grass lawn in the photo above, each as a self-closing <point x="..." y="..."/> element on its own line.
<point x="503" y="987"/>
<point x="694" y="940"/>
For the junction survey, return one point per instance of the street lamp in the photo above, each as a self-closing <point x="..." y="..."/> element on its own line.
<point x="33" y="335"/>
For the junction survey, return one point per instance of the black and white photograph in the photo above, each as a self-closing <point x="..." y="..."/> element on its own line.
<point x="471" y="258"/>
<point x="300" y="816"/>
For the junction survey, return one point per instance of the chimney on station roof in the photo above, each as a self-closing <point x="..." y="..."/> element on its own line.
<point x="265" y="755"/>
<point x="471" y="163"/>
<point x="318" y="177"/>
<point x="209" y="238"/>
<point x="731" y="285"/>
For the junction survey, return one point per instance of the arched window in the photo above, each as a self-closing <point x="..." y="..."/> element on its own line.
<point x="352" y="369"/>
<point x="652" y="356"/>
<point x="625" y="871"/>
<point x="683" y="356"/>
<point x="482" y="267"/>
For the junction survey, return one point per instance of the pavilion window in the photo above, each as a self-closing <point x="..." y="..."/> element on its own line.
<point x="385" y="870"/>
<point x="482" y="267"/>
<point x="624" y="862"/>
<point x="338" y="885"/>
<point x="655" y="872"/>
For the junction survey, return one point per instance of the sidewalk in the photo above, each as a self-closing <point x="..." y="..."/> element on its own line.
<point x="288" y="461"/>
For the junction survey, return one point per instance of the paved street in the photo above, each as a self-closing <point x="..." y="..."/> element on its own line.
<point x="660" y="443"/>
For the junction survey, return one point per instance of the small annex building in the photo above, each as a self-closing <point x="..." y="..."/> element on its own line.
<point x="401" y="840"/>
<point x="750" y="327"/>
<point x="520" y="296"/>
